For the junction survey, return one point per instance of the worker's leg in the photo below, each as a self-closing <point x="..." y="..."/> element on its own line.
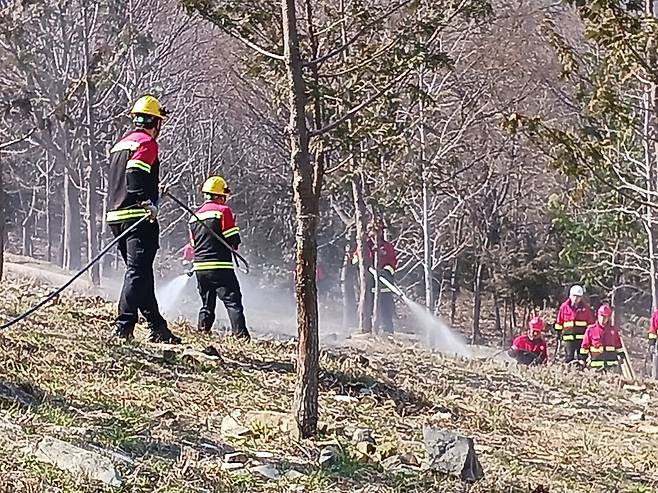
<point x="146" y="247"/>
<point x="369" y="306"/>
<point x="230" y="294"/>
<point x="208" y="291"/>
<point x="386" y="311"/>
<point x="129" y="297"/>
<point x="571" y="348"/>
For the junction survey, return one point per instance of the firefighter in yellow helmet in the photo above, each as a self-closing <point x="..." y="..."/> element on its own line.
<point x="132" y="194"/>
<point x="213" y="261"/>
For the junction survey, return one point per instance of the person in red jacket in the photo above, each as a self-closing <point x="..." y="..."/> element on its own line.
<point x="530" y="348"/>
<point x="573" y="317"/>
<point x="653" y="335"/>
<point x="601" y="347"/>
<point x="213" y="261"/>
<point x="386" y="265"/>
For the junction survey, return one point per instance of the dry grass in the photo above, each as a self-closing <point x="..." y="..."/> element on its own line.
<point x="567" y="431"/>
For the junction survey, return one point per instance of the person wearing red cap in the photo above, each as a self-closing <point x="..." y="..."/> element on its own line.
<point x="601" y="347"/>
<point x="530" y="348"/>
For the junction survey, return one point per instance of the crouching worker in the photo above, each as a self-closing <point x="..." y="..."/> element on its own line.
<point x="530" y="349"/>
<point x="601" y="347"/>
<point x="213" y="261"/>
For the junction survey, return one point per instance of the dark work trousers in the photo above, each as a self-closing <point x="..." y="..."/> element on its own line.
<point x="138" y="250"/>
<point x="571" y="350"/>
<point x="222" y="284"/>
<point x="386" y="302"/>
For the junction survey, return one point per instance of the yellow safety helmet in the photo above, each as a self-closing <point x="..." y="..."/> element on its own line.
<point x="148" y="105"/>
<point x="215" y="185"/>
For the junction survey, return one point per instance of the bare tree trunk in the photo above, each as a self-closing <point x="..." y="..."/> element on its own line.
<point x="427" y="253"/>
<point x="477" y="302"/>
<point x="306" y="203"/>
<point x="27" y="227"/>
<point x="347" y="286"/>
<point x="49" y="221"/>
<point x="72" y="244"/>
<point x="365" y="297"/>
<point x="453" y="290"/>
<point x="92" y="174"/>
<point x="3" y="217"/>
<point x="497" y="317"/>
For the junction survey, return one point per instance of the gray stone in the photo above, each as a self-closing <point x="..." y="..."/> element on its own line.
<point x="232" y="466"/>
<point x="363" y="435"/>
<point x="231" y="428"/>
<point x="268" y="471"/>
<point x="329" y="456"/>
<point x="77" y="461"/>
<point x="239" y="457"/>
<point x="451" y="453"/>
<point x="293" y="475"/>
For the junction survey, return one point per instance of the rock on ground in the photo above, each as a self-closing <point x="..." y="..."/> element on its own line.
<point x="451" y="453"/>
<point x="77" y="461"/>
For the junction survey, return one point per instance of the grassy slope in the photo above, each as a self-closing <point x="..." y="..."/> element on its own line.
<point x="565" y="430"/>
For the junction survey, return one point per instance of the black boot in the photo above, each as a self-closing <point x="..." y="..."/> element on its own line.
<point x="242" y="335"/>
<point x="163" y="334"/>
<point x="123" y="332"/>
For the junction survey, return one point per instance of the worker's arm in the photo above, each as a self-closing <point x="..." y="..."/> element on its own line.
<point x="621" y="354"/>
<point x="559" y="320"/>
<point x="584" y="346"/>
<point x="138" y="171"/>
<point x="187" y="253"/>
<point x="543" y="358"/>
<point x="230" y="231"/>
<point x="653" y="331"/>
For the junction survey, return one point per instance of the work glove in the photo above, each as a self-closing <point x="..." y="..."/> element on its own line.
<point x="190" y="272"/>
<point x="652" y="346"/>
<point x="151" y="210"/>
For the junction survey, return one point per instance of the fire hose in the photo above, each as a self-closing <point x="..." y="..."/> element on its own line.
<point x="394" y="289"/>
<point x="107" y="248"/>
<point x="55" y="293"/>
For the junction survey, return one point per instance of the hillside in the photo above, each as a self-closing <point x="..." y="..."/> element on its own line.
<point x="158" y="414"/>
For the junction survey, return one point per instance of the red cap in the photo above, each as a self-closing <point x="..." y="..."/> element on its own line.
<point x="536" y="324"/>
<point x="605" y="310"/>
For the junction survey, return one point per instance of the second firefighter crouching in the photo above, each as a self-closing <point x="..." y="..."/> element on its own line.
<point x="530" y="348"/>
<point x="601" y="347"/>
<point x="573" y="318"/>
<point x="386" y="265"/>
<point x="213" y="261"/>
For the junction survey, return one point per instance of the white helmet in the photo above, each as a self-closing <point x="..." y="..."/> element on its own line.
<point x="576" y="290"/>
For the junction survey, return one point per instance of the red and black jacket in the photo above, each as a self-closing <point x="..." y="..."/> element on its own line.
<point x="133" y="177"/>
<point x="209" y="252"/>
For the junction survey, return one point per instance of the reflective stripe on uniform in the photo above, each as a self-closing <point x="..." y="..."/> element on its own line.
<point x="558" y="327"/>
<point x="580" y="336"/>
<point x="620" y="350"/>
<point x="231" y="232"/>
<point x="212" y="265"/>
<point x="389" y="268"/>
<point x="611" y="348"/>
<point x="202" y="216"/>
<point x="602" y="363"/>
<point x="652" y="335"/>
<point x="580" y="323"/>
<point x="584" y="351"/>
<point x="567" y="337"/>
<point x="596" y="350"/>
<point x="568" y="324"/>
<point x="124" y="215"/>
<point x="137" y="164"/>
<point x="126" y="145"/>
